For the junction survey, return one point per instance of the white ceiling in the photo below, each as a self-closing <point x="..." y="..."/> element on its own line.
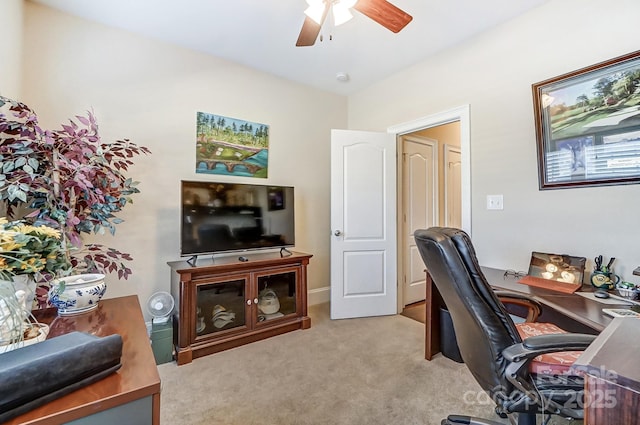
<point x="262" y="33"/>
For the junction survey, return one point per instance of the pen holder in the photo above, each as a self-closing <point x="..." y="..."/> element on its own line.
<point x="604" y="280"/>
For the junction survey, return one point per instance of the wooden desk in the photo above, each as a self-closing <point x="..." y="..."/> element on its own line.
<point x="571" y="312"/>
<point x="129" y="396"/>
<point x="612" y="375"/>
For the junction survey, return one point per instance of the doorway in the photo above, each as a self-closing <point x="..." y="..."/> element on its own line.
<point x="381" y="200"/>
<point x="450" y="200"/>
<point x="431" y="192"/>
<point x="419" y="169"/>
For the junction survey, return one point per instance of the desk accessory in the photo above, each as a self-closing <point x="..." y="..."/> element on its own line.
<point x="603" y="276"/>
<point x="628" y="290"/>
<point x="612" y="300"/>
<point x="556" y="272"/>
<point x="620" y="312"/>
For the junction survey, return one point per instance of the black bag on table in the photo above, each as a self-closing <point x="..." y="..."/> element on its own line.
<point x="37" y="374"/>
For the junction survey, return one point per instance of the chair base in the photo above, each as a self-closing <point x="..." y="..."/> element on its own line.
<point x="523" y="419"/>
<point x="467" y="420"/>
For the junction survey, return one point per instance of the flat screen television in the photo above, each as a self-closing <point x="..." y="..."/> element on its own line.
<point x="225" y="217"/>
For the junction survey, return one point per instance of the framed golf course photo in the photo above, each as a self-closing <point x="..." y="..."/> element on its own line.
<point x="231" y="146"/>
<point x="588" y="125"/>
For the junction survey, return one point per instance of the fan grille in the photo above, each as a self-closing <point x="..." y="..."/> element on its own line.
<point x="160" y="304"/>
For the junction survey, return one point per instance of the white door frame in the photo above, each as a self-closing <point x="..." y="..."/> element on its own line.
<point x="460" y="114"/>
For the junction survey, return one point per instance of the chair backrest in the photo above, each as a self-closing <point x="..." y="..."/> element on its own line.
<point x="482" y="325"/>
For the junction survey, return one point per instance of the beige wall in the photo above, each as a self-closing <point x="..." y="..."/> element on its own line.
<point x="493" y="73"/>
<point x="11" y="18"/>
<point x="150" y="91"/>
<point x="446" y="134"/>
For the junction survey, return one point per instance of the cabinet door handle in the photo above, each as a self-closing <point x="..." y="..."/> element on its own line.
<point x="255" y="301"/>
<point x="248" y="302"/>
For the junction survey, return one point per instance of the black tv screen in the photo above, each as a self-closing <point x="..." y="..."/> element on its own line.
<point x="224" y="217"/>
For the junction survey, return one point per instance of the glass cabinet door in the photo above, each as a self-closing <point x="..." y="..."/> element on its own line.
<point x="220" y="306"/>
<point x="276" y="295"/>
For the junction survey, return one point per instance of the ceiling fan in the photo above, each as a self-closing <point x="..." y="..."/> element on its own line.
<point x="381" y="11"/>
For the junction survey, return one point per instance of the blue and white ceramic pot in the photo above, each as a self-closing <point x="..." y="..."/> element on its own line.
<point x="77" y="294"/>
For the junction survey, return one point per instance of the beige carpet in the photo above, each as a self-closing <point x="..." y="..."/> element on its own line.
<point x="356" y="371"/>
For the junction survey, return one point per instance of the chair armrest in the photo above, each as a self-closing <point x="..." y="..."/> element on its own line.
<point x="550" y="343"/>
<point x="520" y="355"/>
<point x="533" y="307"/>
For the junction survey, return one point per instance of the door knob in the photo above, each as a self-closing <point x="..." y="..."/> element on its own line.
<point x="337" y="233"/>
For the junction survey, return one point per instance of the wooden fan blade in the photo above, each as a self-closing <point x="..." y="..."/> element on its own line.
<point x="384" y="13"/>
<point x="308" y="33"/>
<point x="310" y="29"/>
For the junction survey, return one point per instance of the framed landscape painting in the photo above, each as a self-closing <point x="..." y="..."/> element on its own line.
<point x="231" y="146"/>
<point x="588" y="125"/>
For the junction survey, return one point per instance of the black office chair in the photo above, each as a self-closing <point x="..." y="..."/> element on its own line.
<point x="489" y="342"/>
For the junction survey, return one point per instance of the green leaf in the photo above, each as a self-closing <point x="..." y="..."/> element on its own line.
<point x="8" y="167"/>
<point x="14" y="192"/>
<point x="21" y="195"/>
<point x="33" y="163"/>
<point x="20" y="162"/>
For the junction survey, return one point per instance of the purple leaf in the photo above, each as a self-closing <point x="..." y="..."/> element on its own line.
<point x="83" y="120"/>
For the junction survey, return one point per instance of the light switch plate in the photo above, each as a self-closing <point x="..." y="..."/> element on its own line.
<point x="495" y="202"/>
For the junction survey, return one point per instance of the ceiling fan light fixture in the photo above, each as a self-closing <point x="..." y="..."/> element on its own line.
<point x="347" y="3"/>
<point x="315" y="10"/>
<point x="341" y="14"/>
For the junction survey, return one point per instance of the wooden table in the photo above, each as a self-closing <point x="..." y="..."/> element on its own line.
<point x="571" y="312"/>
<point x="612" y="375"/>
<point x="131" y="395"/>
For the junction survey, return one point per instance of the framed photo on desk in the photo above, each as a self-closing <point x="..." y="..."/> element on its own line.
<point x="561" y="268"/>
<point x="557" y="272"/>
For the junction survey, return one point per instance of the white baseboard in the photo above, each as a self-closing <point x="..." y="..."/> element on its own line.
<point x="319" y="295"/>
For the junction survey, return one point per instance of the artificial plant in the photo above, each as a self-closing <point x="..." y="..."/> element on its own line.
<point x="67" y="178"/>
<point x="30" y="250"/>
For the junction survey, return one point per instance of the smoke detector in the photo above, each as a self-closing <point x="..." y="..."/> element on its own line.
<point x="343" y="77"/>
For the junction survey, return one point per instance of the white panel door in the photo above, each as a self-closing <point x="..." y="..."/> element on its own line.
<point x="453" y="187"/>
<point x="420" y="209"/>
<point x="363" y="224"/>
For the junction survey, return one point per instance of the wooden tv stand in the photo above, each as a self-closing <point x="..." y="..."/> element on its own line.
<point x="225" y="302"/>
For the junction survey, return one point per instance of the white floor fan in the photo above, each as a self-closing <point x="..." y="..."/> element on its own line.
<point x="160" y="305"/>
